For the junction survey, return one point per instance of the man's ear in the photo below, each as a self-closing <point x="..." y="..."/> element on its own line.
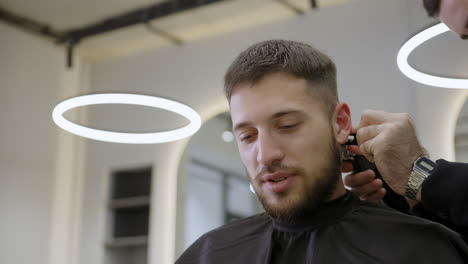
<point x="342" y="123"/>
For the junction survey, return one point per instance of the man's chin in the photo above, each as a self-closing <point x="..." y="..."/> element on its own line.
<point x="288" y="206"/>
<point x="284" y="209"/>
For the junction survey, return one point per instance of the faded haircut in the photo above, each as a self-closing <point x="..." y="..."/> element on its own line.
<point x="295" y="58"/>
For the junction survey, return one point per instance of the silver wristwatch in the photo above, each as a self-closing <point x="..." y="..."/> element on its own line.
<point x="422" y="168"/>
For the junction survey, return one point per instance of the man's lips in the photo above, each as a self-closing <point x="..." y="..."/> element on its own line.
<point x="277" y="182"/>
<point x="275" y="177"/>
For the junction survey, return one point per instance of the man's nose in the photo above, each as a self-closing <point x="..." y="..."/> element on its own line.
<point x="268" y="150"/>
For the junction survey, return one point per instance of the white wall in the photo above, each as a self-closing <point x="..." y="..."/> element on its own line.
<point x="203" y="198"/>
<point x="30" y="80"/>
<point x="461" y="132"/>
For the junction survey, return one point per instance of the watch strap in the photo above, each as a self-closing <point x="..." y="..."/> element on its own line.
<point x="422" y="168"/>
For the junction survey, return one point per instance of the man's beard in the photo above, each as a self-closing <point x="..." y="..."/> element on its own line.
<point x="315" y="195"/>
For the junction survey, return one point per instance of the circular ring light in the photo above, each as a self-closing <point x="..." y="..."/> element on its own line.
<point x="427" y="79"/>
<point x="129" y="138"/>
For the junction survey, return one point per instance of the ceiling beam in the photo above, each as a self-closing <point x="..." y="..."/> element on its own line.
<point x="292" y="7"/>
<point x="313" y="4"/>
<point x="29" y="25"/>
<point x="139" y="16"/>
<point x="70" y="38"/>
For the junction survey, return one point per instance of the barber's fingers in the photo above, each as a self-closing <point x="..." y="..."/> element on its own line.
<point x="377" y="195"/>
<point x="373" y="117"/>
<point x="367" y="150"/>
<point x="359" y="179"/>
<point x="367" y="133"/>
<point x="368" y="190"/>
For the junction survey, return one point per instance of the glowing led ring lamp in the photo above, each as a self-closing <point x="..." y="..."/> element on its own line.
<point x="427" y="79"/>
<point x="130" y="138"/>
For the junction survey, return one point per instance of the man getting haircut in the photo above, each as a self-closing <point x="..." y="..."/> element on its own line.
<point x="289" y="126"/>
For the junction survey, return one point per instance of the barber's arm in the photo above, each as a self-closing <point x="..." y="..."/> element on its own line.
<point x="389" y="140"/>
<point x="446" y="192"/>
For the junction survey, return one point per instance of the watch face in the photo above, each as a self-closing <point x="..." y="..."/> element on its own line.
<point x="426" y="164"/>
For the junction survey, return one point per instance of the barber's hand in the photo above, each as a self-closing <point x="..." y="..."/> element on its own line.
<point x="364" y="184"/>
<point x="389" y="140"/>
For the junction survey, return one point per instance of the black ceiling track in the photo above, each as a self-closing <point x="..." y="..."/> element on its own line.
<point x="313" y="4"/>
<point x="29" y="25"/>
<point x="139" y="16"/>
<point x="72" y="37"/>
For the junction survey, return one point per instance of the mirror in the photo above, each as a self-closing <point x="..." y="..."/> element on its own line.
<point x="214" y="188"/>
<point x="461" y="135"/>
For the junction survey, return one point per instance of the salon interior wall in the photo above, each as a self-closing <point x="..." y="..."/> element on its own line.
<point x="461" y="132"/>
<point x="435" y="110"/>
<point x="31" y="71"/>
<point x="362" y="37"/>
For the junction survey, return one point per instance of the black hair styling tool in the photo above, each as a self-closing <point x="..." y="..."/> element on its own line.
<point x="360" y="163"/>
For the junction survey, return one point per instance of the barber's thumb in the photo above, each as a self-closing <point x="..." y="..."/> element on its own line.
<point x="366" y="150"/>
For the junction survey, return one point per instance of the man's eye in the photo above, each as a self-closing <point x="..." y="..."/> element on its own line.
<point x="246" y="137"/>
<point x="288" y="126"/>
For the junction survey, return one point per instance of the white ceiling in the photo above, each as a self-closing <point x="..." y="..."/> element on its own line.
<point x="188" y="26"/>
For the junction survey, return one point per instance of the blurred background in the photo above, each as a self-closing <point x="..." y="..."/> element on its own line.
<point x="66" y="199"/>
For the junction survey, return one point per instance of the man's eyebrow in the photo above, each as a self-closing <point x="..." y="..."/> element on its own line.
<point x="241" y="125"/>
<point x="286" y="112"/>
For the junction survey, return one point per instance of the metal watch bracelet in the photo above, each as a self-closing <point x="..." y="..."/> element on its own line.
<point x="422" y="168"/>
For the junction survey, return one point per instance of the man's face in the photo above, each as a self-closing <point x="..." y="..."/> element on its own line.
<point x="454" y="13"/>
<point x="287" y="143"/>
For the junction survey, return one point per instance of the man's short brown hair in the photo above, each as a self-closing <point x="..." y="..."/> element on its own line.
<point x="296" y="58"/>
<point x="432" y="7"/>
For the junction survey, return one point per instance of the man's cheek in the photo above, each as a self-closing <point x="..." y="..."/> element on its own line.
<point x="250" y="170"/>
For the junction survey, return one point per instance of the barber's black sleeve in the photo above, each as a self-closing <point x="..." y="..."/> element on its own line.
<point x="444" y="197"/>
<point x="445" y="193"/>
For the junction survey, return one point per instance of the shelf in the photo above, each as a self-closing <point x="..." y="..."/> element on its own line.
<point x="138" y="201"/>
<point x="134" y="241"/>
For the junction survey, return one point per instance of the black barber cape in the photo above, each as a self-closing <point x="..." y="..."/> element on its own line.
<point x="345" y="230"/>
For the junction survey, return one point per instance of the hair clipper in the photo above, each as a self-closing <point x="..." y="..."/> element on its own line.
<point x="360" y="163"/>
